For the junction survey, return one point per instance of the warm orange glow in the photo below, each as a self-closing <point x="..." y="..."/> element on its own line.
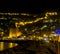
<point x="14" y="33"/>
<point x="19" y="34"/>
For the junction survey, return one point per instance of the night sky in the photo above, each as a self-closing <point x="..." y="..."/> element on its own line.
<point x="29" y="6"/>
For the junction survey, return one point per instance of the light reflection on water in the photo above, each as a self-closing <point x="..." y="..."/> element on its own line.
<point x="6" y="45"/>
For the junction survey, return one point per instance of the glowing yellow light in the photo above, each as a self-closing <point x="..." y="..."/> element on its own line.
<point x="16" y="24"/>
<point x="42" y="18"/>
<point x="55" y="13"/>
<point x="51" y="13"/>
<point x="30" y="22"/>
<point x="24" y="36"/>
<point x="59" y="39"/>
<point x="46" y="14"/>
<point x="22" y="23"/>
<point x="33" y="30"/>
<point x="50" y="39"/>
<point x="45" y="17"/>
<point x="39" y="38"/>
<point x="45" y="35"/>
<point x="38" y="19"/>
<point x="18" y="34"/>
<point x="12" y="45"/>
<point x="2" y="32"/>
<point x="34" y="36"/>
<point x="25" y="14"/>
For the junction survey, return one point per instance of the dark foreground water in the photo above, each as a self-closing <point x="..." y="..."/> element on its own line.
<point x="28" y="47"/>
<point x="6" y="45"/>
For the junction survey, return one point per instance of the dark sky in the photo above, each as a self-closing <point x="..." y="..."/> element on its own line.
<point x="29" y="6"/>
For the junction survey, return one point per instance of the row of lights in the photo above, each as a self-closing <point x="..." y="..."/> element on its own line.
<point x="24" y="14"/>
<point x="50" y="13"/>
<point x="9" y="13"/>
<point x="30" y="22"/>
<point x="15" y="14"/>
<point x="46" y="15"/>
